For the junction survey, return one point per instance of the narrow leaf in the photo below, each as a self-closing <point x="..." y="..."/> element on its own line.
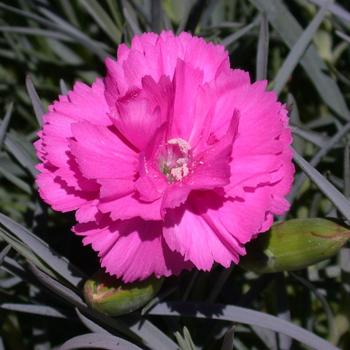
<point x="96" y="340"/>
<point x="24" y="251"/>
<point x="58" y="264"/>
<point x="34" y="97"/>
<point x="263" y="49"/>
<point x="102" y="18"/>
<point x="335" y="9"/>
<point x="156" y="15"/>
<point x="89" y="324"/>
<point x="299" y="48"/>
<point x="242" y="315"/>
<point x="311" y="136"/>
<point x="16" y="181"/>
<point x="63" y="87"/>
<point x="75" y="33"/>
<point x="337" y="198"/>
<point x="290" y="31"/>
<point x="4" y="252"/>
<point x="228" y="342"/>
<point x="343" y="36"/>
<point x="41" y="310"/>
<point x="130" y="19"/>
<point x="21" y="152"/>
<point x="229" y="40"/>
<point x="35" y="31"/>
<point x="5" y="122"/>
<point x="299" y="180"/>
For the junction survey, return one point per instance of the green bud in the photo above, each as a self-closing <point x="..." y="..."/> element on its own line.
<point x="110" y="296"/>
<point x="294" y="244"/>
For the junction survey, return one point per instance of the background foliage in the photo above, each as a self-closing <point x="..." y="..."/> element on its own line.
<point x="302" y="47"/>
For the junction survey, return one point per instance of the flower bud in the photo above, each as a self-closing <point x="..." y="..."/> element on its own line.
<point x="110" y="296"/>
<point x="294" y="245"/>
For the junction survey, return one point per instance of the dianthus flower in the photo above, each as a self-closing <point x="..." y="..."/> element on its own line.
<point x="172" y="161"/>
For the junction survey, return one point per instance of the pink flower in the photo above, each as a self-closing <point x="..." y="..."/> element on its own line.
<point x="173" y="160"/>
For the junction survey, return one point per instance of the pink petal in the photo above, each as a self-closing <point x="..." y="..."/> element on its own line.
<point x="189" y="233"/>
<point x="55" y="192"/>
<point x="133" y="249"/>
<point x="212" y="167"/>
<point x="112" y="188"/>
<point x="136" y="120"/>
<point x="187" y="82"/>
<point x="86" y="104"/>
<point x="208" y="57"/>
<point x="130" y="206"/>
<point x="87" y="212"/>
<point x="101" y="154"/>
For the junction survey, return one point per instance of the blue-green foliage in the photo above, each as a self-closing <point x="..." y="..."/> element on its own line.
<point x="303" y="48"/>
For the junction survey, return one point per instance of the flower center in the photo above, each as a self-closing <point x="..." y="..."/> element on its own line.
<point x="175" y="159"/>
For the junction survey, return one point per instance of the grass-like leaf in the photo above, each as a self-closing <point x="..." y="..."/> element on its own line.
<point x="298" y="49"/>
<point x="57" y="263"/>
<point x="323" y="300"/>
<point x="156" y="15"/>
<point x="343" y="36"/>
<point x="229" y="40"/>
<point x="4" y="252"/>
<point x="34" y="97"/>
<point x="5" y="123"/>
<point x="96" y="340"/>
<point x="336" y="9"/>
<point x="263" y="49"/>
<point x="228" y="342"/>
<point x="317" y="158"/>
<point x="16" y="181"/>
<point x="89" y="324"/>
<point x="290" y="31"/>
<point x="242" y="315"/>
<point x="24" y="251"/>
<point x="80" y="37"/>
<point x="313" y="137"/>
<point x="41" y="310"/>
<point x="20" y="150"/>
<point x="130" y="18"/>
<point x="337" y="198"/>
<point x="102" y="18"/>
<point x="36" y="31"/>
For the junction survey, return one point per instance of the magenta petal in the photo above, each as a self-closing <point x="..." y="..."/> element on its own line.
<point x="130" y="206"/>
<point x="190" y="234"/>
<point x="87" y="212"/>
<point x="187" y="81"/>
<point x="86" y="103"/>
<point x="136" y="120"/>
<point x="172" y="160"/>
<point x="133" y="249"/>
<point x="212" y="166"/>
<point x="112" y="188"/>
<point x="100" y="153"/>
<point x="58" y="194"/>
<point x="175" y="195"/>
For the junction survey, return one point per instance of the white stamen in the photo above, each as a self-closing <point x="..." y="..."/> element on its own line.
<point x="175" y="163"/>
<point x="183" y="145"/>
<point x="179" y="172"/>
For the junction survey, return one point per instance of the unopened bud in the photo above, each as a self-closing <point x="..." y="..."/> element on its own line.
<point x="111" y="296"/>
<point x="294" y="245"/>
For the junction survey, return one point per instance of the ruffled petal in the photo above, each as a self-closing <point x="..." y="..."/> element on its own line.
<point x="132" y="249"/>
<point x="130" y="206"/>
<point x="58" y="194"/>
<point x="101" y="154"/>
<point x="187" y="231"/>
